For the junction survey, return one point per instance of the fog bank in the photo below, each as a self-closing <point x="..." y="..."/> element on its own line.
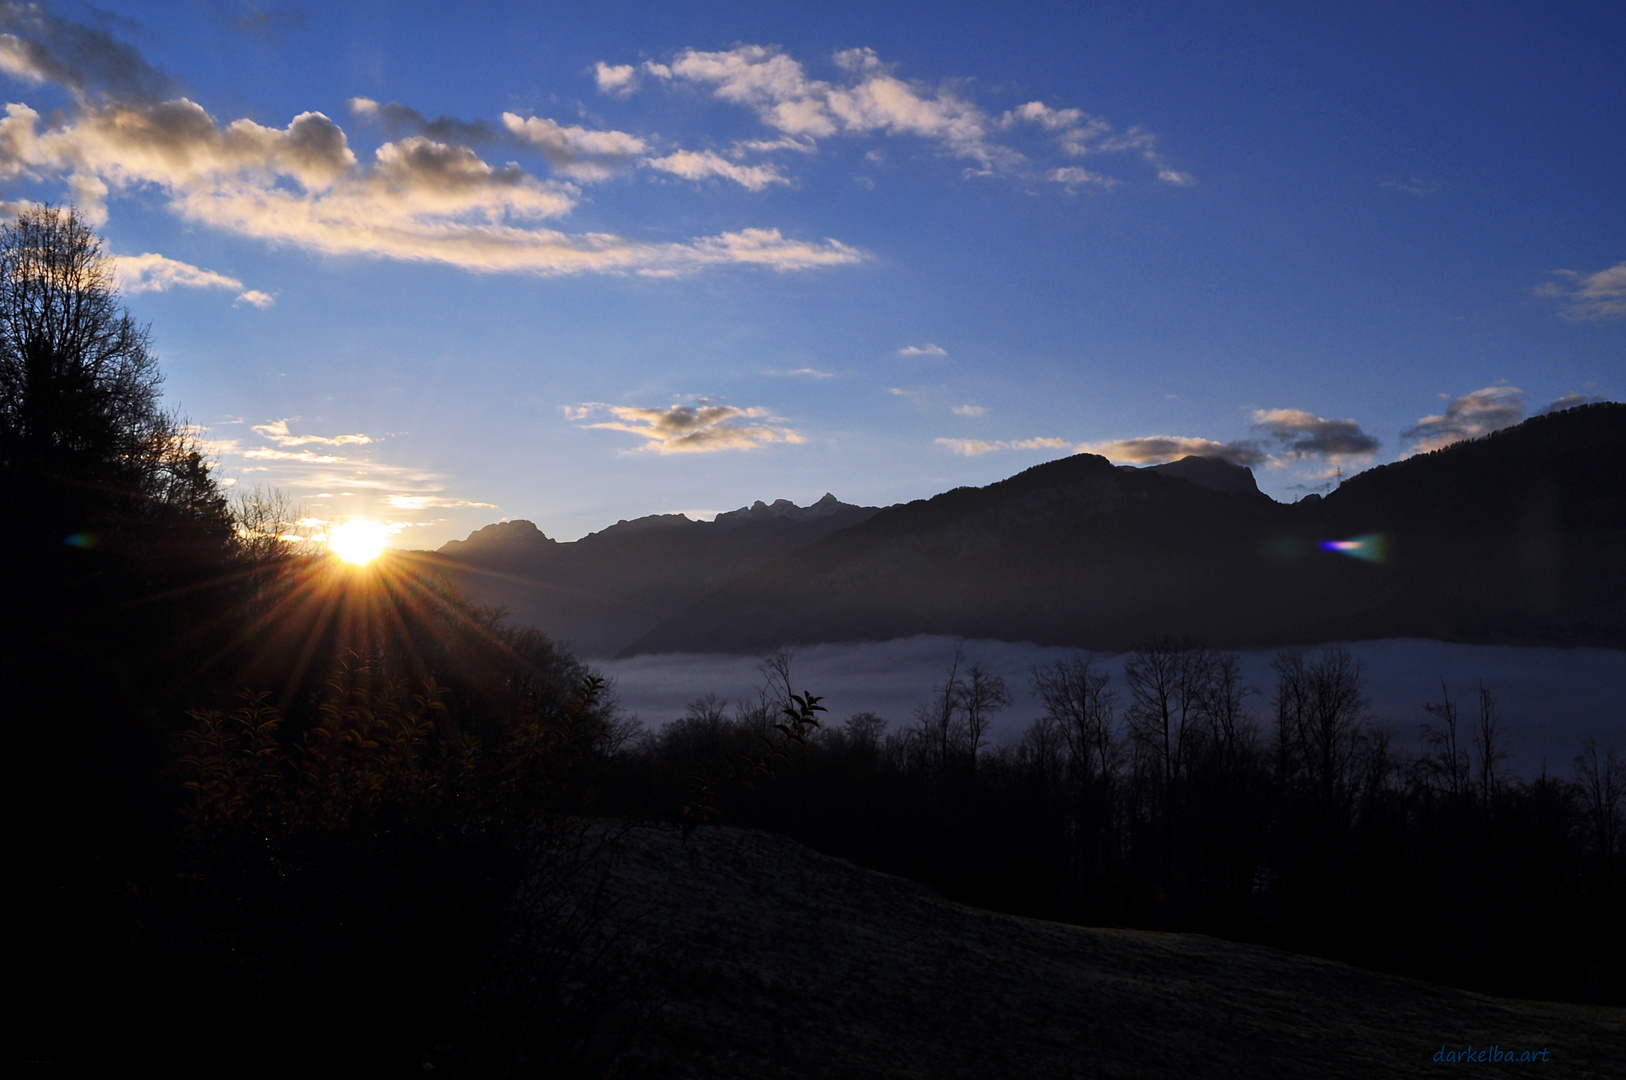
<point x="1549" y="699"/>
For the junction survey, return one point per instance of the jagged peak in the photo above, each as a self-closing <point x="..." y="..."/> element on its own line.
<point x="781" y="508"/>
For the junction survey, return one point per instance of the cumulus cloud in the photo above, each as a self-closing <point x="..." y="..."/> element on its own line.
<point x="703" y="164"/>
<point x="927" y="349"/>
<point x="417" y="199"/>
<point x="699" y="428"/>
<point x="1156" y="449"/>
<point x="1601" y="295"/>
<point x="424" y="196"/>
<point x="617" y="80"/>
<point x="1302" y="434"/>
<point x="973" y="447"/>
<point x="1466" y="417"/>
<point x="255" y="298"/>
<point x="970" y="410"/>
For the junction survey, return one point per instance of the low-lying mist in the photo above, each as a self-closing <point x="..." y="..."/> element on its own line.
<point x="1549" y="699"/>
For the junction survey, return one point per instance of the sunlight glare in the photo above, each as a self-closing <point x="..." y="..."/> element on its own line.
<point x="358" y="542"/>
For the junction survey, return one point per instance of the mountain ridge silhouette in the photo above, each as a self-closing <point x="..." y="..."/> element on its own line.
<point x="1514" y="537"/>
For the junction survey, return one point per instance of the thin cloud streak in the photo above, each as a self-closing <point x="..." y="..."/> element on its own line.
<point x="974" y="447"/>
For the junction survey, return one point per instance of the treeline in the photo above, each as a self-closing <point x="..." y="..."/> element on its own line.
<point x="1180" y="798"/>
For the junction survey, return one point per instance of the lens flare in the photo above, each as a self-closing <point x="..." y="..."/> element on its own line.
<point x="358" y="542"/>
<point x="1373" y="547"/>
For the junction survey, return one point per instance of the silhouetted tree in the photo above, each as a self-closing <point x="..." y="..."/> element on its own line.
<point x="981" y="696"/>
<point x="1489" y="747"/>
<point x="1602" y="779"/>
<point x="79" y="386"/>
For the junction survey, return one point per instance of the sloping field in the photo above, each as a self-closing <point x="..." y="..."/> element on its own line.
<point x="770" y="960"/>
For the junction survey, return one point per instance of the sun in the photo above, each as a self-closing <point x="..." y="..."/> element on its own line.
<point x="359" y="542"/>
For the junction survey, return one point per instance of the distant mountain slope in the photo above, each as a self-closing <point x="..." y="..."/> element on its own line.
<point x="1517" y="537"/>
<point x="605" y="590"/>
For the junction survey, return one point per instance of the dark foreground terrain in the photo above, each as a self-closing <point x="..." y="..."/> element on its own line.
<point x="770" y="960"/>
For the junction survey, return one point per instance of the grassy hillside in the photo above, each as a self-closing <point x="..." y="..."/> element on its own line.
<point x="771" y="960"/>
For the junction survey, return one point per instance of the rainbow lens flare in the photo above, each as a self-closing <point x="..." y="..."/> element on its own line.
<point x="1373" y="547"/>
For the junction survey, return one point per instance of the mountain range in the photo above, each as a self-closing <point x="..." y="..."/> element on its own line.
<point x="1517" y="537"/>
<point x="606" y="590"/>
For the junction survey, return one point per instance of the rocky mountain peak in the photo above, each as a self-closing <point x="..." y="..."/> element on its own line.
<point x="506" y="535"/>
<point x="1215" y="474"/>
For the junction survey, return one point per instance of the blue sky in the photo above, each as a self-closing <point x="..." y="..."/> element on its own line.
<point x="583" y="262"/>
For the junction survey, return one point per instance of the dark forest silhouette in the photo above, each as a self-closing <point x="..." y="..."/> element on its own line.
<point x="272" y="814"/>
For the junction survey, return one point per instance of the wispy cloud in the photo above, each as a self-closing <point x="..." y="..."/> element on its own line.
<point x="1570" y="401"/>
<point x="970" y="410"/>
<point x="1471" y="415"/>
<point x="867" y="97"/>
<point x="277" y="432"/>
<point x="1078" y="134"/>
<point x="39" y="47"/>
<point x="812" y="373"/>
<point x="704" y="164"/>
<point x="927" y="349"/>
<point x="1302" y="434"/>
<point x="1411" y="185"/>
<point x="428" y="502"/>
<point x="1600" y="295"/>
<point x="315" y="466"/>
<point x="682" y="429"/>
<point x="1071" y="176"/>
<point x="973" y="447"/>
